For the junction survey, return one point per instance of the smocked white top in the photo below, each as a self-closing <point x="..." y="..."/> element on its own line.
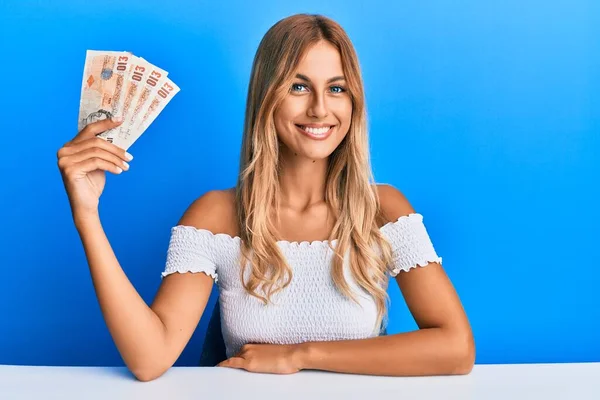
<point x="311" y="308"/>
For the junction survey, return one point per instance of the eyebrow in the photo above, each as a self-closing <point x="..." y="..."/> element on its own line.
<point x="335" y="78"/>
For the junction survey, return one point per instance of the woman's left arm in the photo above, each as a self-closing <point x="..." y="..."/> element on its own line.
<point x="442" y="345"/>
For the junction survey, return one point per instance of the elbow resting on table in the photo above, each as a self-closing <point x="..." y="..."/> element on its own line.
<point x="150" y="372"/>
<point x="464" y="367"/>
<point x="151" y="366"/>
<point x="147" y="375"/>
<point x="465" y="357"/>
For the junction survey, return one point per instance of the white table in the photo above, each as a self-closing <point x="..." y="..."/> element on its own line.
<point x="512" y="382"/>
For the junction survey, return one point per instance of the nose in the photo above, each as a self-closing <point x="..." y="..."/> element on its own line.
<point x="318" y="106"/>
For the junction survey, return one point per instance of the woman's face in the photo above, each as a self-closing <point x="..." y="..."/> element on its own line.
<point x="315" y="115"/>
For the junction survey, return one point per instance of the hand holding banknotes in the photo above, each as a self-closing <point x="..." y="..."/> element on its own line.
<point x="121" y="95"/>
<point x="83" y="161"/>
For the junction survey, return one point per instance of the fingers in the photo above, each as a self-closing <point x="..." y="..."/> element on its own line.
<point x="233" y="362"/>
<point x="87" y="153"/>
<point x="92" y="164"/>
<point x="95" y="128"/>
<point x="94" y="142"/>
<point x="94" y="153"/>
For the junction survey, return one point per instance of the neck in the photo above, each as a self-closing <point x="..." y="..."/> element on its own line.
<point x="302" y="182"/>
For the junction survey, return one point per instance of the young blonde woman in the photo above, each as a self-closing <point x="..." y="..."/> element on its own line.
<point x="302" y="248"/>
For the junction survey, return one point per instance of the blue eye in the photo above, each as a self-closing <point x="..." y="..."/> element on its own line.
<point x="339" y="87"/>
<point x="297" y="84"/>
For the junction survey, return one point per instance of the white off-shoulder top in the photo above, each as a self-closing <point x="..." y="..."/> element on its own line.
<point x="311" y="308"/>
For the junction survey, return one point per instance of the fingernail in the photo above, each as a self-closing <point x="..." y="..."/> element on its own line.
<point x="117" y="119"/>
<point x="128" y="156"/>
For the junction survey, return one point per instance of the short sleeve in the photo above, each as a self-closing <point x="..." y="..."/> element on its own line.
<point x="411" y="244"/>
<point x="191" y="250"/>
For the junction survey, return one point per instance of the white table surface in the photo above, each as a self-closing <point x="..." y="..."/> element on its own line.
<point x="513" y="382"/>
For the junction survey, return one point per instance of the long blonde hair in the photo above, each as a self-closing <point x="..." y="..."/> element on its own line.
<point x="349" y="189"/>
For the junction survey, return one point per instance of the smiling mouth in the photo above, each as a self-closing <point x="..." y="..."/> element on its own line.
<point x="316" y="133"/>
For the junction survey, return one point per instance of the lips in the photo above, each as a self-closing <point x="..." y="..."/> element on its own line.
<point x="316" y="133"/>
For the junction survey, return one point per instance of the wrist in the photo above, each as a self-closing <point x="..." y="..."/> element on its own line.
<point x="303" y="354"/>
<point x="82" y="219"/>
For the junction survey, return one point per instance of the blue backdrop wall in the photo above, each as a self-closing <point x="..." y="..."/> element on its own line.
<point x="485" y="114"/>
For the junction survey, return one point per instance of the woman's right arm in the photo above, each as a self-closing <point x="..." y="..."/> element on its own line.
<point x="149" y="339"/>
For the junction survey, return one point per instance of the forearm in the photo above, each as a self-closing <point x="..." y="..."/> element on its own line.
<point x="432" y="351"/>
<point x="137" y="331"/>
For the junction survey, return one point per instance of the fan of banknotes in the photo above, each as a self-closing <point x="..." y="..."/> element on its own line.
<point x="117" y="84"/>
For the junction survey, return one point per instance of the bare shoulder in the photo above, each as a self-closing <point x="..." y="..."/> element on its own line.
<point x="394" y="203"/>
<point x="214" y="211"/>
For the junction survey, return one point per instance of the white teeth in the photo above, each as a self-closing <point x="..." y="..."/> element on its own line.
<point x="316" y="131"/>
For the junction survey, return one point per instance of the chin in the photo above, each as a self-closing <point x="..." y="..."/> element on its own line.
<point x="315" y="155"/>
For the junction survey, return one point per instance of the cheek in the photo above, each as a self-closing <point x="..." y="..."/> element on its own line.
<point x="290" y="108"/>
<point x="282" y="117"/>
<point x="344" y="111"/>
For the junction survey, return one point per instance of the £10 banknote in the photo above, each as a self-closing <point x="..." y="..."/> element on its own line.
<point x="117" y="84"/>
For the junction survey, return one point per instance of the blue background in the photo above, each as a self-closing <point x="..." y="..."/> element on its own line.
<point x="485" y="114"/>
